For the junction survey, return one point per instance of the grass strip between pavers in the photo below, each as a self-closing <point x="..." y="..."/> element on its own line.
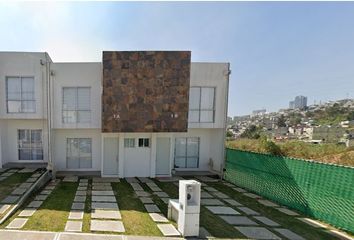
<point x="135" y="218"/>
<point x="54" y="212"/>
<point x="86" y="222"/>
<point x="286" y="221"/>
<point x="10" y="184"/>
<point x="216" y="226"/>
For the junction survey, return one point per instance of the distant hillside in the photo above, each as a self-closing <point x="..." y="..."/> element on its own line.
<point x="331" y="115"/>
<point x="328" y="153"/>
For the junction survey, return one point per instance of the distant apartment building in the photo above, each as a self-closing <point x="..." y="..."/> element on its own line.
<point x="300" y="102"/>
<point x="135" y="113"/>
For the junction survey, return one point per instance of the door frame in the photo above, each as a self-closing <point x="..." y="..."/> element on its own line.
<point x="169" y="157"/>
<point x="102" y="155"/>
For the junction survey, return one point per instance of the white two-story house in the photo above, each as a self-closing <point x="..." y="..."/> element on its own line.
<point x="139" y="113"/>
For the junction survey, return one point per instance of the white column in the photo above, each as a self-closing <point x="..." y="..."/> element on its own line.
<point x="172" y="152"/>
<point x="153" y="156"/>
<point x="121" y="155"/>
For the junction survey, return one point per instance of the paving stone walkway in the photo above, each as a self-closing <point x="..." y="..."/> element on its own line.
<point x="105" y="215"/>
<point x="32" y="207"/>
<point x="249" y="224"/>
<point x="244" y="219"/>
<point x="10" y="201"/>
<point x="7" y="173"/>
<point x="76" y="215"/>
<point x="163" y="224"/>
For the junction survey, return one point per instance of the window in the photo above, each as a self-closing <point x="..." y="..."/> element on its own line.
<point x="201" y="104"/>
<point x="30" y="144"/>
<point x="20" y="95"/>
<point x="76" y="105"/>
<point x="79" y="153"/>
<point x="187" y="152"/>
<point x="129" y="142"/>
<point x="144" y="142"/>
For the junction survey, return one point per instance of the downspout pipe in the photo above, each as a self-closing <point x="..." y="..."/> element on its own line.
<point x="50" y="165"/>
<point x="225" y="120"/>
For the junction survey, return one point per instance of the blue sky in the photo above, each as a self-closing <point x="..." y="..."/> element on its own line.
<point x="277" y="50"/>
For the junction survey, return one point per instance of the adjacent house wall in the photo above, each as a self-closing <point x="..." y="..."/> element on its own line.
<point x="17" y="64"/>
<point x="9" y="134"/>
<point x="24" y="65"/>
<point x="76" y="75"/>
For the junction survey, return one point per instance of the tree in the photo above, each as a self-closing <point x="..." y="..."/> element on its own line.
<point x="229" y="134"/>
<point x="252" y="132"/>
<point x="281" y="121"/>
<point x="350" y="116"/>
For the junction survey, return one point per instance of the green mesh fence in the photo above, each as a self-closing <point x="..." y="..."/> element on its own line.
<point x="323" y="191"/>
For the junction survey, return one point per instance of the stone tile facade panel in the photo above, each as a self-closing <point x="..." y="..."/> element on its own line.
<point x="145" y="91"/>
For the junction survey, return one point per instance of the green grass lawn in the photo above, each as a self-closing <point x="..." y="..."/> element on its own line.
<point x="87" y="212"/>
<point x="135" y="218"/>
<point x="10" y="184"/>
<point x="53" y="213"/>
<point x="216" y="226"/>
<point x="284" y="220"/>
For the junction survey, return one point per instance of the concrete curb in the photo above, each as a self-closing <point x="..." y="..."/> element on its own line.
<point x="45" y="235"/>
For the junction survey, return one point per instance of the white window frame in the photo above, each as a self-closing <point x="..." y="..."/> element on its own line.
<point x="21" y="100"/>
<point x="79" y="158"/>
<point x="199" y="109"/>
<point x="186" y="155"/>
<point x="76" y="110"/>
<point x="129" y="142"/>
<point x="30" y="143"/>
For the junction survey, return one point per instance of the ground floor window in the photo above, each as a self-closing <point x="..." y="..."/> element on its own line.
<point x="187" y="152"/>
<point x="129" y="142"/>
<point x="79" y="153"/>
<point x="144" y="142"/>
<point x="30" y="144"/>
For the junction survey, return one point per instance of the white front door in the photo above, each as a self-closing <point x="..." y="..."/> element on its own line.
<point x="110" y="156"/>
<point x="163" y="156"/>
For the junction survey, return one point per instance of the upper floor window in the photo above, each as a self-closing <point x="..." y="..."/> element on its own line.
<point x="201" y="105"/>
<point x="20" y="95"/>
<point x="76" y="105"/>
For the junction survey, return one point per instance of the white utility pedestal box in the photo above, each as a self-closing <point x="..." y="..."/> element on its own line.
<point x="189" y="208"/>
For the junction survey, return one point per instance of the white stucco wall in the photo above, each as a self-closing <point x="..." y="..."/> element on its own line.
<point x="10" y="138"/>
<point x="212" y="75"/>
<point x="1" y="141"/>
<point x="77" y="75"/>
<point x="142" y="161"/>
<point x="23" y="65"/>
<point x="59" y="147"/>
